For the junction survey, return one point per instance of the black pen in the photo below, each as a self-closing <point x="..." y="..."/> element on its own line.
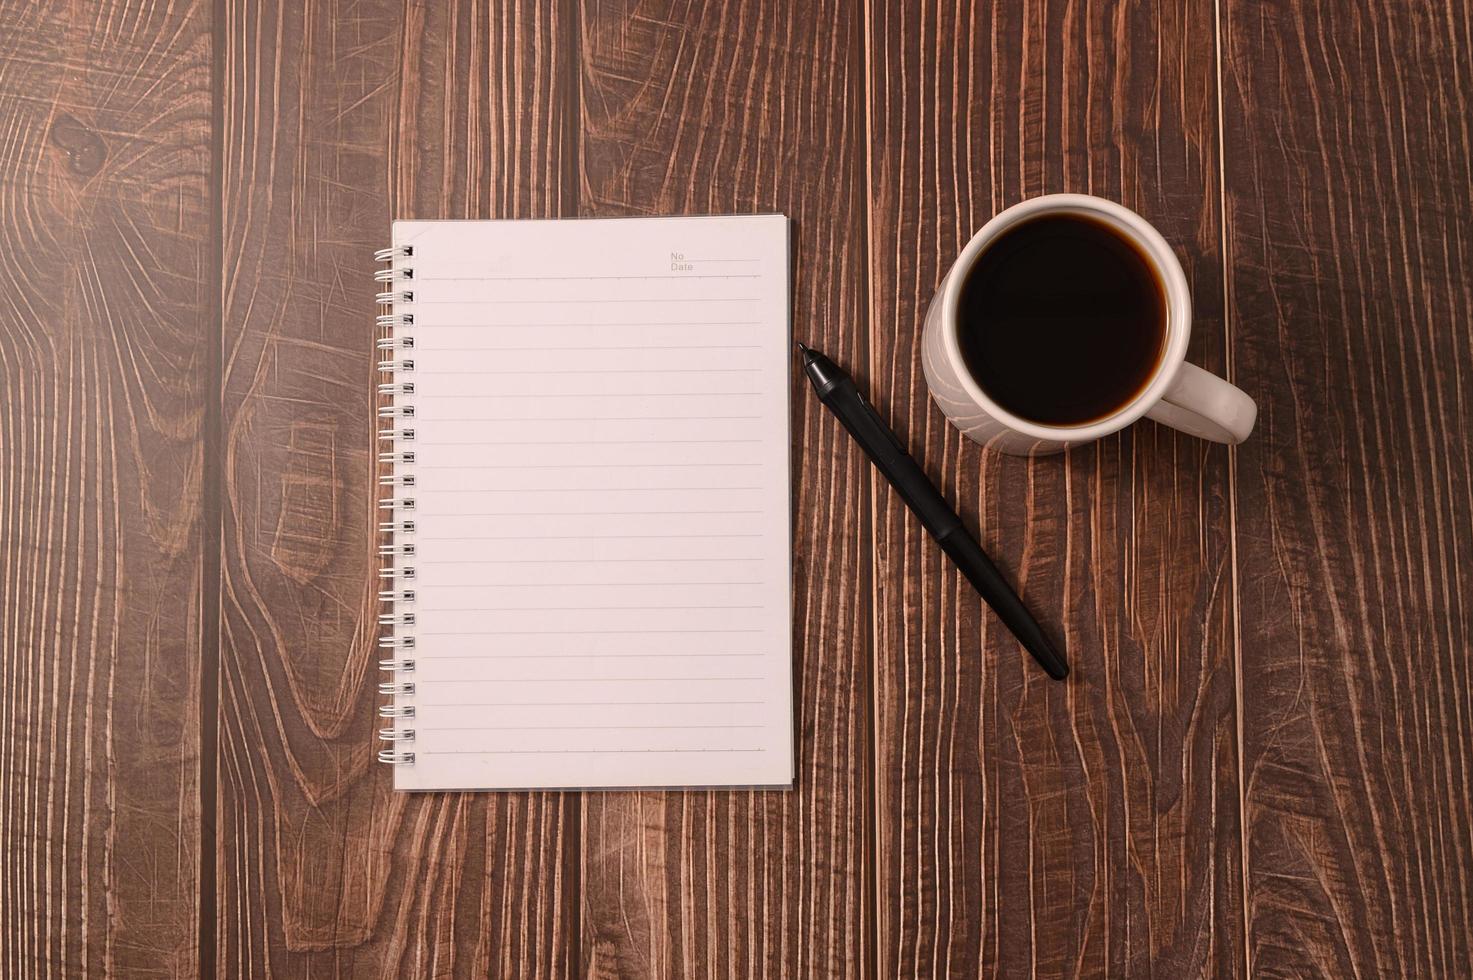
<point x="837" y="391"/>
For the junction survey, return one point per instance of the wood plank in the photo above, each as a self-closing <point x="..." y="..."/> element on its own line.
<point x="1349" y="168"/>
<point x="736" y="107"/>
<point x="1027" y="827"/>
<point x="339" y="116"/>
<point x="106" y="324"/>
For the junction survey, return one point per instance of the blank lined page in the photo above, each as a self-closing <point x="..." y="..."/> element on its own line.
<point x="601" y="503"/>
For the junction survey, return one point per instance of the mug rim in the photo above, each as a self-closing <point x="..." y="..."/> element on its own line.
<point x="1157" y="252"/>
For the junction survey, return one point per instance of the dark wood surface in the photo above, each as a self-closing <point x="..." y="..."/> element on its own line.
<point x="1351" y="303"/>
<point x="107" y="374"/>
<point x="1262" y="765"/>
<point x="1026" y="827"/>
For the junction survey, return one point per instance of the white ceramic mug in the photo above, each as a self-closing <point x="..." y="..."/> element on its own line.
<point x="1178" y="394"/>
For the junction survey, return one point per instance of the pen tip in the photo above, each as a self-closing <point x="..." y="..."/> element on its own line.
<point x="801" y="346"/>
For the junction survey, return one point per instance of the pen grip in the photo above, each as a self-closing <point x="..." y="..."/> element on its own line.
<point x="990" y="584"/>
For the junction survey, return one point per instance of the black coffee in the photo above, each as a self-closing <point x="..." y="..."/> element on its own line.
<point x="1062" y="320"/>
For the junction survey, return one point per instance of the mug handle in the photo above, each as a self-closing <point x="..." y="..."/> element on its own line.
<point x="1200" y="403"/>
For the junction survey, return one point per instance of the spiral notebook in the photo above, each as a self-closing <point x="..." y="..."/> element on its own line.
<point x="586" y="508"/>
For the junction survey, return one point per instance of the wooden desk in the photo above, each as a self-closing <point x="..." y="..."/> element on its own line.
<point x="1262" y="765"/>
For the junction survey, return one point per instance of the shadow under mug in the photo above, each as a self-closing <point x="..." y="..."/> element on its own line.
<point x="1178" y="394"/>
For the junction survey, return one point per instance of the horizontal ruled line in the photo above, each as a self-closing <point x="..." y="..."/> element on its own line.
<point x="593" y="418"/>
<point x="421" y="372"/>
<point x="563" y="585"/>
<point x="577" y="466"/>
<point x="577" y="751"/>
<point x="564" y="704"/>
<point x="421" y="443"/>
<point x="582" y="728"/>
<point x="668" y="275"/>
<point x="618" y="608"/>
<point x="579" y="680"/>
<point x="436" y="515"/>
<point x="437" y="327"/>
<point x="425" y="660"/>
<point x="550" y="302"/>
<point x="590" y="489"/>
<point x="579" y="561"/>
<point x="581" y="537"/>
<point x="588" y="347"/>
<point x="595" y="394"/>
<point x="579" y="632"/>
<point x="574" y="585"/>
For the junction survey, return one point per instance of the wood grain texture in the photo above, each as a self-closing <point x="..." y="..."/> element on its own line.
<point x="691" y="108"/>
<point x="1027" y="827"/>
<point x="1349" y="167"/>
<point x="338" y="116"/>
<point x="1304" y="600"/>
<point x="104" y="377"/>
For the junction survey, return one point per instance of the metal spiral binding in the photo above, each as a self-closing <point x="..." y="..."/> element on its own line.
<point x="397" y="643"/>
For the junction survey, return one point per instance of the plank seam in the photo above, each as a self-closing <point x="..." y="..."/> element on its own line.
<point x="571" y="200"/>
<point x="1232" y="488"/>
<point x="212" y="518"/>
<point x="867" y="560"/>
